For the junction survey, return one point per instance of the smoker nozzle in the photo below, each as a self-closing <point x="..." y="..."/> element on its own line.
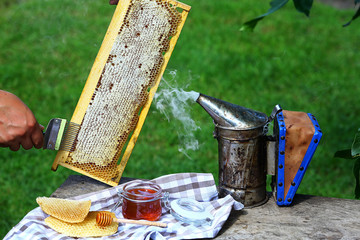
<point x="227" y="114"/>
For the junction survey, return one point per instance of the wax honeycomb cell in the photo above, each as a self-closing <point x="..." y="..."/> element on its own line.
<point x="133" y="65"/>
<point x="84" y="229"/>
<point x="71" y="211"/>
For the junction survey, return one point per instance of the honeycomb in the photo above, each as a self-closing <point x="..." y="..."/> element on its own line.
<point x="86" y="228"/>
<point x="133" y="66"/>
<point x="71" y="211"/>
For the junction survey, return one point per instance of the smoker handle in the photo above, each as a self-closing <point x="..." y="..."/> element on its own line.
<point x="275" y="111"/>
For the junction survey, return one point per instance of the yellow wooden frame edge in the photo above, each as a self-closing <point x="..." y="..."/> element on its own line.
<point x="94" y="76"/>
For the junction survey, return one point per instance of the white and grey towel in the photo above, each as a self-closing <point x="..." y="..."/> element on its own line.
<point x="199" y="186"/>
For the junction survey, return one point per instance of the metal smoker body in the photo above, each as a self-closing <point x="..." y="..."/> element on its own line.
<point x="240" y="133"/>
<point x="242" y="171"/>
<point x="247" y="154"/>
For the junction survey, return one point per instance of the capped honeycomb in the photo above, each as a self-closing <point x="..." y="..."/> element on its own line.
<point x="121" y="85"/>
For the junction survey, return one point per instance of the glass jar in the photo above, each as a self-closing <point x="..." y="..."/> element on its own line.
<point x="142" y="200"/>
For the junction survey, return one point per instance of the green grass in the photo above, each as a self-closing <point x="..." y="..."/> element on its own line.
<point x="304" y="64"/>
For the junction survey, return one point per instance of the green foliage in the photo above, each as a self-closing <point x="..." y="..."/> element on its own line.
<point x="353" y="153"/>
<point x="303" y="6"/>
<point x="356" y="15"/>
<point x="355" y="147"/>
<point x="356" y="171"/>
<point x="275" y="5"/>
<point x="346" y="154"/>
<point x="48" y="48"/>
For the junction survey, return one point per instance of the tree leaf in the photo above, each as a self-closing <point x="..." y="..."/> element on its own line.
<point x="275" y="5"/>
<point x="355" y="148"/>
<point x="303" y="6"/>
<point x="250" y="25"/>
<point x="356" y="171"/>
<point x="357" y="14"/>
<point x="344" y="154"/>
<point x="357" y="1"/>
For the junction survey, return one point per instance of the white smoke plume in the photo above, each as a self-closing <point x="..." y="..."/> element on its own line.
<point x="174" y="103"/>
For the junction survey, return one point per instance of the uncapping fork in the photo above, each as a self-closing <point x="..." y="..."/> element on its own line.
<point x="59" y="135"/>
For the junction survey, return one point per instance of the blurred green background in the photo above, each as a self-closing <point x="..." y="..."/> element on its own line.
<point x="47" y="49"/>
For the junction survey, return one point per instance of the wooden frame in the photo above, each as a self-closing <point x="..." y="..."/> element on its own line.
<point x="95" y="74"/>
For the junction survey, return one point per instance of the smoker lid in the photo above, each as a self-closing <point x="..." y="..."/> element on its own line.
<point x="226" y="114"/>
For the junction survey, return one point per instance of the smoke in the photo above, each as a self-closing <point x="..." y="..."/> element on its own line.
<point x="173" y="102"/>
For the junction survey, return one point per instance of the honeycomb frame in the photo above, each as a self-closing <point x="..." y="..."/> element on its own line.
<point x="95" y="135"/>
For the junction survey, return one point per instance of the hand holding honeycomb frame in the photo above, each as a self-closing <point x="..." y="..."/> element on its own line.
<point x="121" y="85"/>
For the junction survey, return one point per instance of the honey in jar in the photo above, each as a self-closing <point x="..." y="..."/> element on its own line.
<point x="142" y="200"/>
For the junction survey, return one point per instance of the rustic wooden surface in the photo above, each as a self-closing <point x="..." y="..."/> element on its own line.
<point x="76" y="185"/>
<point x="309" y="217"/>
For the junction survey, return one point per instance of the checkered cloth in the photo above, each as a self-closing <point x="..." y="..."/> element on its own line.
<point x="199" y="186"/>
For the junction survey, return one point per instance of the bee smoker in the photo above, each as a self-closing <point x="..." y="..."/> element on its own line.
<point x="247" y="154"/>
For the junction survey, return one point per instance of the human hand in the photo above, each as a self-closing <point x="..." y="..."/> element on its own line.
<point x="113" y="2"/>
<point x="18" y="126"/>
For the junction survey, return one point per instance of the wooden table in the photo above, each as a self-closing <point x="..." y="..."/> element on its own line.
<point x="309" y="217"/>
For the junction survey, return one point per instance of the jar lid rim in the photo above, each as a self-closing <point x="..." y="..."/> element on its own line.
<point x="139" y="184"/>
